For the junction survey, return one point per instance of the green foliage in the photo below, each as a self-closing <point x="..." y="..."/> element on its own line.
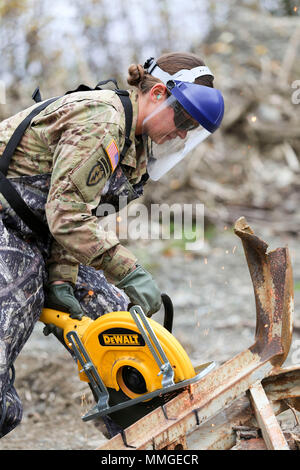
<point x="297" y="285"/>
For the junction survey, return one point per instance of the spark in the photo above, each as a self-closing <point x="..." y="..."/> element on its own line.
<point x="83" y="400"/>
<point x="253" y="119"/>
<point x="205" y="260"/>
<point x="295" y="9"/>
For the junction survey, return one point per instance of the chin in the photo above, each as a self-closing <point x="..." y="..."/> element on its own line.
<point x="160" y="139"/>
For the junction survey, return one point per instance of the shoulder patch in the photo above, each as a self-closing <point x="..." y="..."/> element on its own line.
<point x="95" y="175"/>
<point x="113" y="154"/>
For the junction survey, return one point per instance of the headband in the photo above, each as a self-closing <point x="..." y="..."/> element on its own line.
<point x="184" y="75"/>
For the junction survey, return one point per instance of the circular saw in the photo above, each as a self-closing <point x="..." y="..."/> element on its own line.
<point x="127" y="359"/>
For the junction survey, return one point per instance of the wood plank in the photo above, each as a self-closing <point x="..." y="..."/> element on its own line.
<point x="271" y="431"/>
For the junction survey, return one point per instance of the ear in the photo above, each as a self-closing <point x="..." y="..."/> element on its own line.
<point x="158" y="91"/>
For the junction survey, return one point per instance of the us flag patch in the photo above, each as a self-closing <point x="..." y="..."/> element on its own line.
<point x="113" y="154"/>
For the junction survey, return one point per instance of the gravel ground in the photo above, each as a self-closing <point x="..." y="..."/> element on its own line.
<point x="214" y="320"/>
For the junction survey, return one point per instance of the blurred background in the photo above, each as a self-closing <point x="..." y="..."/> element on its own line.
<point x="250" y="167"/>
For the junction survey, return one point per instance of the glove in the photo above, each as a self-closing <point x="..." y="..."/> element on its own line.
<point x="142" y="290"/>
<point x="61" y="297"/>
<point x="58" y="332"/>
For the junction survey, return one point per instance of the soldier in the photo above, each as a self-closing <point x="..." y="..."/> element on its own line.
<point x="76" y="154"/>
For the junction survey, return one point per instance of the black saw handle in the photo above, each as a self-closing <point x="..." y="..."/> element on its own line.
<point x="169" y="311"/>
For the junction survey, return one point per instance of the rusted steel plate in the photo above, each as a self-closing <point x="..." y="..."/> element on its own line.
<point x="271" y="275"/>
<point x="272" y="279"/>
<point x="271" y="431"/>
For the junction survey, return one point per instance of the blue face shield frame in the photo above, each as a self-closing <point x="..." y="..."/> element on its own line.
<point x="202" y="103"/>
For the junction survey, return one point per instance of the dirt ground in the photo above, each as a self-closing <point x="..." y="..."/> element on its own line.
<point x="214" y="320"/>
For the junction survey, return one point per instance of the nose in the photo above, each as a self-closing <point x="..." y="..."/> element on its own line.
<point x="181" y="133"/>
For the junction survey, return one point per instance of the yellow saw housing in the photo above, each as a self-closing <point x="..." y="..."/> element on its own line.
<point x="115" y="346"/>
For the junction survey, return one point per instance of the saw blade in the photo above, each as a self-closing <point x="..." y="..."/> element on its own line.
<point x="127" y="416"/>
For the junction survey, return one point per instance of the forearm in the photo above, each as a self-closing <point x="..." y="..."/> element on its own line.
<point x="61" y="265"/>
<point x="84" y="242"/>
<point x="117" y="263"/>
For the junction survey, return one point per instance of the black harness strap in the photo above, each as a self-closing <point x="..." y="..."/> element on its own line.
<point x="6" y="187"/>
<point x="124" y="97"/>
<point x="18" y="134"/>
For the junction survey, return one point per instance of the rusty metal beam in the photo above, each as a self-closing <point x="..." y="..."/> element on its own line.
<point x="271" y="275"/>
<point x="284" y="384"/>
<point x="272" y="279"/>
<point x="219" y="431"/>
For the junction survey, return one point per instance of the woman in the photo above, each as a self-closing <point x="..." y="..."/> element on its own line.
<point x="67" y="163"/>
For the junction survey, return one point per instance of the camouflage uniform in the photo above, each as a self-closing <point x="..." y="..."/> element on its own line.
<point x="64" y="169"/>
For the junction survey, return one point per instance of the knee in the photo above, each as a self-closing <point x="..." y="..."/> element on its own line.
<point x="10" y="423"/>
<point x="11" y="411"/>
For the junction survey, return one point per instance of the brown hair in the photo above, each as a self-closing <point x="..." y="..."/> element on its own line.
<point x="170" y="63"/>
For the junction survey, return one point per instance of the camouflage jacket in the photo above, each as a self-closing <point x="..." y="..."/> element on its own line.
<point x="77" y="139"/>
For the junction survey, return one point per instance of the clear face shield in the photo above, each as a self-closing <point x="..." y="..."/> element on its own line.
<point x="187" y="115"/>
<point x="171" y="133"/>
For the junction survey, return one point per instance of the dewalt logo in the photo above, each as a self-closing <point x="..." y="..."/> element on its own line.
<point x="120" y="337"/>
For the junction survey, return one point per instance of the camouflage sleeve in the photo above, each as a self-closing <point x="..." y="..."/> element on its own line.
<point x="82" y="165"/>
<point x="61" y="265"/>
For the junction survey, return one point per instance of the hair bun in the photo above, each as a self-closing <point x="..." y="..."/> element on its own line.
<point x="135" y="74"/>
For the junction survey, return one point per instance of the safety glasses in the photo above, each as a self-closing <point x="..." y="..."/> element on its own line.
<point x="181" y="119"/>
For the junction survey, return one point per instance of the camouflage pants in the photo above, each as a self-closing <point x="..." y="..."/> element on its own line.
<point x="22" y="280"/>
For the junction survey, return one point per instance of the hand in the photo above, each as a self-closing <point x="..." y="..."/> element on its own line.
<point x="142" y="290"/>
<point x="60" y="296"/>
